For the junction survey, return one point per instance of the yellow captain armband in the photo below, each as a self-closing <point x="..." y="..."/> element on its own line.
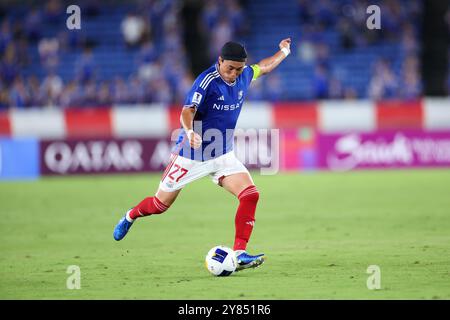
<point x="256" y="71"/>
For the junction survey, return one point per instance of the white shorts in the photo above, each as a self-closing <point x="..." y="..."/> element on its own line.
<point x="180" y="171"/>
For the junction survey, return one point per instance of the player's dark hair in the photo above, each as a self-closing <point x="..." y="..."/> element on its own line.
<point x="233" y="51"/>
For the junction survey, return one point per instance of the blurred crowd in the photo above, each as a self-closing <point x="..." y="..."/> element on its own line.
<point x="400" y="24"/>
<point x="222" y="21"/>
<point x="151" y="31"/>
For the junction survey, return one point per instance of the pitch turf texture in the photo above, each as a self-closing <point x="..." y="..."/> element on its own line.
<point x="320" y="232"/>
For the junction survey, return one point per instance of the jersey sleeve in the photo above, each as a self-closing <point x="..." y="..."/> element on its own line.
<point x="196" y="96"/>
<point x="251" y="73"/>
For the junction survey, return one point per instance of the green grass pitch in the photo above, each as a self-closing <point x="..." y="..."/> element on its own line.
<point x="320" y="232"/>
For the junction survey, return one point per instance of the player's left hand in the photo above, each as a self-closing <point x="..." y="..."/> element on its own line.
<point x="285" y="43"/>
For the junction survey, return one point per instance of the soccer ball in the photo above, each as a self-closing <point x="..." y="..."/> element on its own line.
<point x="221" y="261"/>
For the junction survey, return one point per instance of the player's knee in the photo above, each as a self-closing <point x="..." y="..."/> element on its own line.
<point x="167" y="204"/>
<point x="164" y="209"/>
<point x="166" y="198"/>
<point x="249" y="194"/>
<point x="160" y="205"/>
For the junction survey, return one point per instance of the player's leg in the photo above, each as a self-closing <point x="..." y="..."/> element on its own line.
<point x="157" y="204"/>
<point x="178" y="173"/>
<point x="242" y="186"/>
<point x="169" y="188"/>
<point x="236" y="179"/>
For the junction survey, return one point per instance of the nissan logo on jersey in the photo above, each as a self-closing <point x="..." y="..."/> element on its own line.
<point x="226" y="107"/>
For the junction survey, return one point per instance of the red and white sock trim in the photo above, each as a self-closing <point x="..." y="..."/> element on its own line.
<point x="247" y="191"/>
<point x="159" y="205"/>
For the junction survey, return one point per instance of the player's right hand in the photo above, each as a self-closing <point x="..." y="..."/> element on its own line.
<point x="194" y="139"/>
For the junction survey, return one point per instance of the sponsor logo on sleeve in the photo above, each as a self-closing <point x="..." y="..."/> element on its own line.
<point x="197" y="98"/>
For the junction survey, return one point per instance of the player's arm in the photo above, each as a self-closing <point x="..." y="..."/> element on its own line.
<point x="268" y="64"/>
<point x="187" y="120"/>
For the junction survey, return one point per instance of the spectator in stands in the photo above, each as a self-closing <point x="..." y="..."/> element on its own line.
<point x="22" y="52"/>
<point x="70" y="41"/>
<point x="148" y="93"/>
<point x="90" y="94"/>
<point x="324" y="13"/>
<point x="392" y="18"/>
<point x="133" y="29"/>
<point x="320" y="82"/>
<point x="169" y="17"/>
<point x="36" y="95"/>
<point x="49" y="53"/>
<point x="147" y="53"/>
<point x="85" y="66"/>
<point x="384" y="82"/>
<point x="119" y="91"/>
<point x="183" y="86"/>
<point x="149" y="71"/>
<point x="322" y="54"/>
<point x="210" y="15"/>
<point x="273" y="87"/>
<point x="237" y="18"/>
<point x="305" y="12"/>
<point x="158" y="14"/>
<point x="92" y="8"/>
<point x="173" y="69"/>
<point x="222" y="22"/>
<point x="5" y="36"/>
<point x="70" y="96"/>
<point x="257" y="90"/>
<point x="410" y="87"/>
<point x="8" y="67"/>
<point x="52" y="87"/>
<point x="136" y="90"/>
<point x="358" y="15"/>
<point x="336" y="90"/>
<point x="19" y="95"/>
<point x="4" y="98"/>
<point x="409" y="39"/>
<point x="33" y="25"/>
<point x="306" y="51"/>
<point x="350" y="93"/>
<point x="172" y="41"/>
<point x="161" y="91"/>
<point x="54" y="12"/>
<point x="220" y="34"/>
<point x="347" y="34"/>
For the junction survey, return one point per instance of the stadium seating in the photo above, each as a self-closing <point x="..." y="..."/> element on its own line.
<point x="271" y="21"/>
<point x="268" y="22"/>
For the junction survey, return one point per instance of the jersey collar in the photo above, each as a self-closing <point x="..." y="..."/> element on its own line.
<point x="229" y="84"/>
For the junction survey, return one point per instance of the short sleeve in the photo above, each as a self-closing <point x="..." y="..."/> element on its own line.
<point x="196" y="96"/>
<point x="248" y="75"/>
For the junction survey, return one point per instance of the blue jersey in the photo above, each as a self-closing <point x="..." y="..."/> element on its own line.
<point x="218" y="105"/>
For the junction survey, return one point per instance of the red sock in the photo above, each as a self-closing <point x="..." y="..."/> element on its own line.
<point x="148" y="206"/>
<point x="245" y="217"/>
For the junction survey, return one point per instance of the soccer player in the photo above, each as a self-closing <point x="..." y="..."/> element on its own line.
<point x="213" y="106"/>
